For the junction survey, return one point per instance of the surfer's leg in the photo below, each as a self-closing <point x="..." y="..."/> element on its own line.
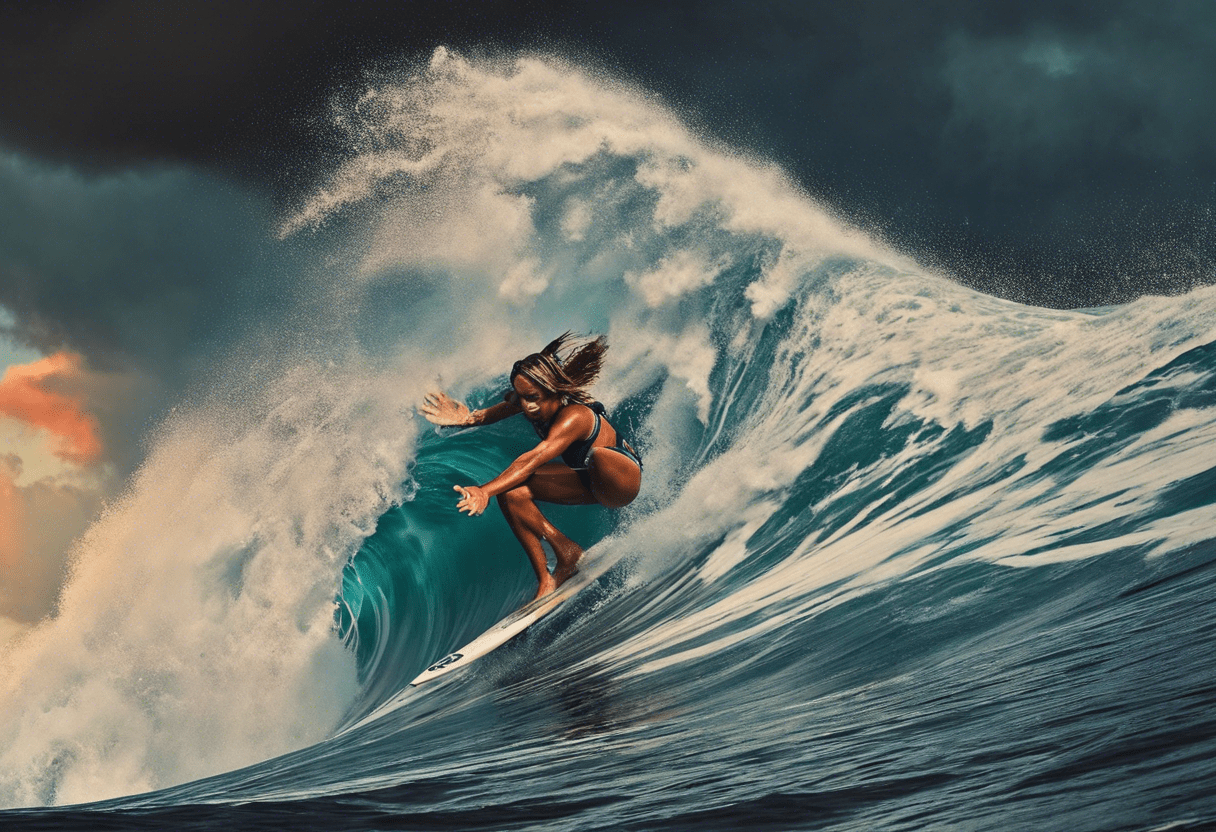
<point x="553" y="483"/>
<point x="513" y="504"/>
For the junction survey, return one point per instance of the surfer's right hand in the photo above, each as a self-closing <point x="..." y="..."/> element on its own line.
<point x="473" y="500"/>
<point x="441" y="409"/>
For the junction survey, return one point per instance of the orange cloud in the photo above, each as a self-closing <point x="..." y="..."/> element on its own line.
<point x="39" y="394"/>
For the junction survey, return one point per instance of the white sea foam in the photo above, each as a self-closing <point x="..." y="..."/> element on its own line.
<point x="967" y="359"/>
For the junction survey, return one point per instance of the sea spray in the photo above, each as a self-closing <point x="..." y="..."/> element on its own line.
<point x="195" y="632"/>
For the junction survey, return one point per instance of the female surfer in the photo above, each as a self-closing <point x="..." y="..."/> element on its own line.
<point x="597" y="465"/>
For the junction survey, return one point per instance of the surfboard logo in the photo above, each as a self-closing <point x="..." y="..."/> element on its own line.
<point x="445" y="661"/>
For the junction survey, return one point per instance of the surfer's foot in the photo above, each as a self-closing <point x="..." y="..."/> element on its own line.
<point x="547" y="585"/>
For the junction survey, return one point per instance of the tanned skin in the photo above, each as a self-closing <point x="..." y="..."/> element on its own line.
<point x="533" y="476"/>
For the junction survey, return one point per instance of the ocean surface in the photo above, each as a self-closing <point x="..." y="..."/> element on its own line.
<point x="906" y="556"/>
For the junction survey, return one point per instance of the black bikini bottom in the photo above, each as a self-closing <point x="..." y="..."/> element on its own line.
<point x="584" y="474"/>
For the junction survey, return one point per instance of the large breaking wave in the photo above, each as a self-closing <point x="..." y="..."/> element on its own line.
<point x="905" y="554"/>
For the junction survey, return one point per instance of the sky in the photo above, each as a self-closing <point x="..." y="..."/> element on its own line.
<point x="1055" y="152"/>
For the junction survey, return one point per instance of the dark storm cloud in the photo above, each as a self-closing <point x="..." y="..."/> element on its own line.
<point x="1057" y="152"/>
<point x="137" y="77"/>
<point x="125" y="265"/>
<point x="1132" y="88"/>
<point x="1094" y="141"/>
<point x="226" y="81"/>
<point x="1102" y="134"/>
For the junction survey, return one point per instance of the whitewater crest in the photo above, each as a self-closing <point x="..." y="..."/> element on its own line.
<point x="455" y="144"/>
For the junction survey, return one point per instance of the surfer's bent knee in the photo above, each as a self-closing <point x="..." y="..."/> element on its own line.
<point x="514" y="497"/>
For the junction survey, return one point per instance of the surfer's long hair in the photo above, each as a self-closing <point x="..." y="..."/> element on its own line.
<point x="568" y="376"/>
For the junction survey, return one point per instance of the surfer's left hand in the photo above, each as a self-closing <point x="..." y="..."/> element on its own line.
<point x="441" y="409"/>
<point x="473" y="499"/>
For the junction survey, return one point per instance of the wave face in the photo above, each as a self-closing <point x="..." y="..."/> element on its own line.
<point x="906" y="555"/>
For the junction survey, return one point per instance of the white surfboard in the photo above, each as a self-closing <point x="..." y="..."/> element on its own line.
<point x="504" y="630"/>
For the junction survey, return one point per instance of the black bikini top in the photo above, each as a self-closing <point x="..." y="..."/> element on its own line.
<point x="576" y="455"/>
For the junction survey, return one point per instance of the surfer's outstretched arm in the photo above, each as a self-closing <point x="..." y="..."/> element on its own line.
<point x="441" y="409"/>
